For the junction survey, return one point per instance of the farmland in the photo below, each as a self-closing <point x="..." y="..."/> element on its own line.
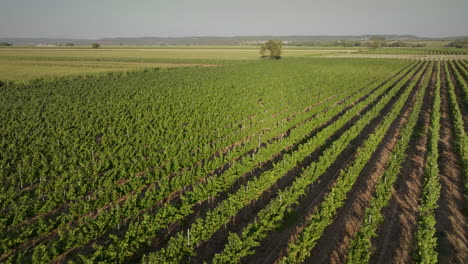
<point x="27" y="63"/>
<point x="300" y="160"/>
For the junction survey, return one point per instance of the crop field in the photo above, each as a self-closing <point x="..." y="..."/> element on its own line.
<point x="300" y="160"/>
<point x="27" y="63"/>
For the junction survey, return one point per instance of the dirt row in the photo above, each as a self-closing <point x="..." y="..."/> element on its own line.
<point x="332" y="247"/>
<point x="451" y="215"/>
<point x="395" y="242"/>
<point x="400" y="215"/>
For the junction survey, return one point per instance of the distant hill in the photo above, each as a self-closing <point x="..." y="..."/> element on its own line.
<point x="238" y="40"/>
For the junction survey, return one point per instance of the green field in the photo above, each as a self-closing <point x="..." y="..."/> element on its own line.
<point x="21" y="70"/>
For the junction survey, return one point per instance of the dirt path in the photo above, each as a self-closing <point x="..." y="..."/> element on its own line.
<point x="394" y="242"/>
<point x="107" y="63"/>
<point x="335" y="242"/>
<point x="451" y="222"/>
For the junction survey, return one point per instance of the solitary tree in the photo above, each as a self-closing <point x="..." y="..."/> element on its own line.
<point x="376" y="44"/>
<point x="378" y="41"/>
<point x="274" y="47"/>
<point x="95" y="45"/>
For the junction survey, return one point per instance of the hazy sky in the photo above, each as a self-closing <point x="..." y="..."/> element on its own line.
<point x="126" y="18"/>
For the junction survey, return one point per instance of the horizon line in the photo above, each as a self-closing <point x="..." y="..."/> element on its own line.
<point x="235" y="36"/>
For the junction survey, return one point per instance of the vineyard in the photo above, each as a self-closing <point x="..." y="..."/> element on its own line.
<point x="418" y="51"/>
<point x="294" y="161"/>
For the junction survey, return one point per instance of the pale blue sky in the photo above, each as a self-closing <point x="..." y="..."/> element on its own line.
<point x="126" y="18"/>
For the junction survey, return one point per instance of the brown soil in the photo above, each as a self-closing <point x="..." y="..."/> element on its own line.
<point x="395" y="240"/>
<point x="332" y="247"/>
<point x="451" y="221"/>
